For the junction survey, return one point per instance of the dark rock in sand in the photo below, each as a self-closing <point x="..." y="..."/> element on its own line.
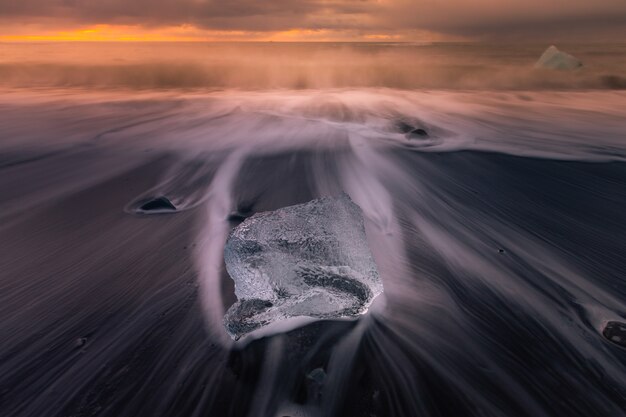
<point x="237" y="216"/>
<point x="243" y="212"/>
<point x="418" y="133"/>
<point x="411" y="131"/>
<point x="158" y="204"/>
<point x="614" y="82"/>
<point x="615" y="332"/>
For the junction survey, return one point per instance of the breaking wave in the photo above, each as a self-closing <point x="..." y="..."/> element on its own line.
<point x="304" y="66"/>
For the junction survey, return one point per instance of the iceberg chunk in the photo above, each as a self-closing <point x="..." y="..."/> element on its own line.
<point x="552" y="58"/>
<point x="308" y="260"/>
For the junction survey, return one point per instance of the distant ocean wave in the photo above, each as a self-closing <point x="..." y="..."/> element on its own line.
<point x="566" y="125"/>
<point x="167" y="75"/>
<point x="302" y="66"/>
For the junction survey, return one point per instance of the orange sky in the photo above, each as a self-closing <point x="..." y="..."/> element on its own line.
<point x="106" y="32"/>
<point x="191" y="33"/>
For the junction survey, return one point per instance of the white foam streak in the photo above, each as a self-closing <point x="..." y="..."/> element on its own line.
<point x="210" y="251"/>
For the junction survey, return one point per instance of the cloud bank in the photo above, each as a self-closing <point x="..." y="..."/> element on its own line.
<point x="470" y="18"/>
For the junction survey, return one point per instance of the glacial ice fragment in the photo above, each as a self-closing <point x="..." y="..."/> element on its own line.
<point x="552" y="58"/>
<point x="615" y="332"/>
<point x="307" y="260"/>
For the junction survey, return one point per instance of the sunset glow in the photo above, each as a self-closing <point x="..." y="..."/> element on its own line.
<point x="120" y="33"/>
<point x="191" y="33"/>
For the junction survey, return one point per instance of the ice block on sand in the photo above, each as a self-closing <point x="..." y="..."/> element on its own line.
<point x="552" y="58"/>
<point x="308" y="260"/>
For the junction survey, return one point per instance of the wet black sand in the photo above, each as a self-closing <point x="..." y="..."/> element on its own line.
<point x="518" y="263"/>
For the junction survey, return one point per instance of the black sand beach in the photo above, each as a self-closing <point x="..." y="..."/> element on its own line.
<point x="103" y="313"/>
<point x="497" y="227"/>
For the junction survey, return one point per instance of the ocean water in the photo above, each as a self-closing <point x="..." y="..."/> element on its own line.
<point x="258" y="66"/>
<point x="499" y="235"/>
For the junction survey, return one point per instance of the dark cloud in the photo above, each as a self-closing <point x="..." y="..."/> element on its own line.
<point x="214" y="14"/>
<point x="464" y="17"/>
<point x="502" y="17"/>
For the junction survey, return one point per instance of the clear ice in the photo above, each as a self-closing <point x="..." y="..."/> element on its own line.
<point x="307" y="260"/>
<point x="552" y="58"/>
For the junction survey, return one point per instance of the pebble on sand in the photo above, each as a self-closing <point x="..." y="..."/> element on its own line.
<point x="159" y="204"/>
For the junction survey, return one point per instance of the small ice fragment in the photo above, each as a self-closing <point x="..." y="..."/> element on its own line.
<point x="615" y="332"/>
<point x="80" y="342"/>
<point x="318" y="375"/>
<point x="309" y="260"/>
<point x="552" y="58"/>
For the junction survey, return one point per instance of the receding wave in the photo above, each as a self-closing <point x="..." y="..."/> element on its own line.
<point x="554" y="124"/>
<point x="501" y="262"/>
